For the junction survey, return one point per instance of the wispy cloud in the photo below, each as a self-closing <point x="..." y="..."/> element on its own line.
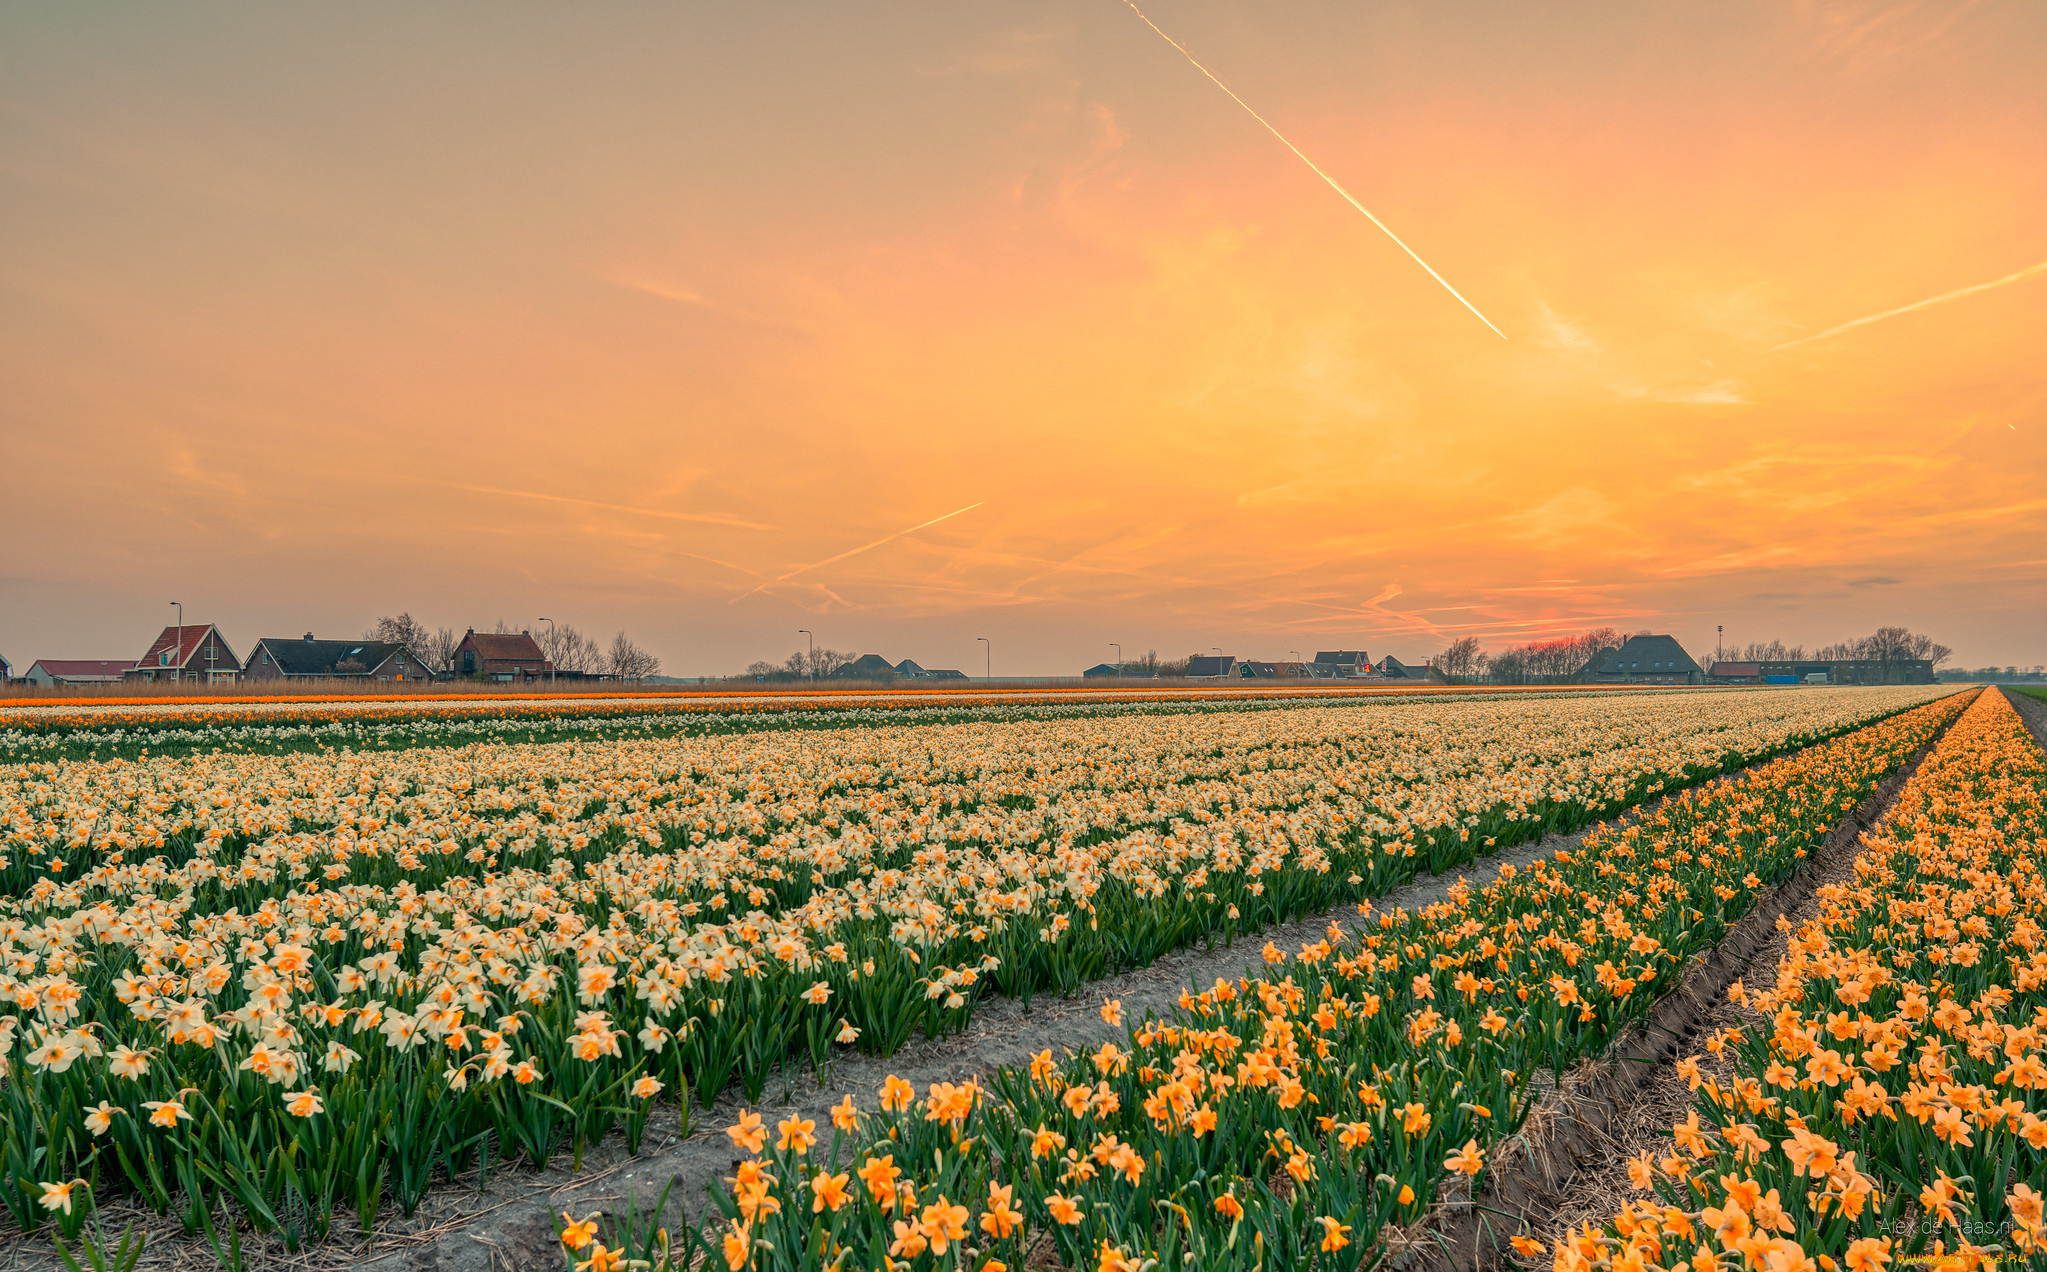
<point x="1941" y="299"/>
<point x="707" y="518"/>
<point x="852" y="552"/>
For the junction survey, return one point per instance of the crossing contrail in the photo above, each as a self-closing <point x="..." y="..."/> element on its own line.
<point x="887" y="538"/>
<point x="1956" y="294"/>
<point x="1314" y="167"/>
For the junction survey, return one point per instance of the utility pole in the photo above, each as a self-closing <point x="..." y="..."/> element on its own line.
<point x="810" y="663"/>
<point x="1119" y="658"/>
<point x="553" y="644"/>
<point x="178" y="650"/>
<point x="988" y="670"/>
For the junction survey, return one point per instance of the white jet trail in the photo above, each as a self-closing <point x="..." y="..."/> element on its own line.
<point x="1956" y="294"/>
<point x="865" y="547"/>
<point x="1312" y="165"/>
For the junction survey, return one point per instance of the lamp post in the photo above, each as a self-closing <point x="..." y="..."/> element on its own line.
<point x="178" y="650"/>
<point x="1119" y="658"/>
<point x="556" y="647"/>
<point x="1218" y="661"/>
<point x="810" y="664"/>
<point x="988" y="669"/>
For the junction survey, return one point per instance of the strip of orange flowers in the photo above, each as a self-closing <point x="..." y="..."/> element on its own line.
<point x="1889" y="1107"/>
<point x="1287" y="1120"/>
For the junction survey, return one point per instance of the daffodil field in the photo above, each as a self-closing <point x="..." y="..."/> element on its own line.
<point x="1893" y="1108"/>
<point x="320" y="980"/>
<point x="1283" y="1121"/>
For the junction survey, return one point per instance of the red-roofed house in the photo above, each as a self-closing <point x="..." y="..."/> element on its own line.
<point x="192" y="652"/>
<point x="78" y="671"/>
<point x="497" y="656"/>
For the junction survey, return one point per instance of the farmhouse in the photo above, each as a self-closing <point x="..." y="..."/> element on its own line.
<point x="77" y="671"/>
<point x="501" y="656"/>
<point x="1394" y="669"/>
<point x="868" y="667"/>
<point x="1651" y="660"/>
<point x="1211" y="667"/>
<point x="1341" y="664"/>
<point x="304" y="657"/>
<point x="192" y="652"/>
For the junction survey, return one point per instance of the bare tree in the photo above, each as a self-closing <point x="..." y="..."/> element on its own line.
<point x="404" y="631"/>
<point x="440" y="648"/>
<point x="815" y="664"/>
<point x="570" y="650"/>
<point x="1461" y="658"/>
<point x="628" y="661"/>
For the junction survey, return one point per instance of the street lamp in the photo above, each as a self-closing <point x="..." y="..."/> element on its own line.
<point x="1119" y="658"/>
<point x="810" y="665"/>
<point x="178" y="650"/>
<point x="555" y="645"/>
<point x="988" y="669"/>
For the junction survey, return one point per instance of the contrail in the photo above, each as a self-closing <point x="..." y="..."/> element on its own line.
<point x="1312" y="165"/>
<point x="865" y="547"/>
<point x="1956" y="294"/>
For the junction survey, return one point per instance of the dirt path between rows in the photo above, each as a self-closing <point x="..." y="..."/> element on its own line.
<point x="2032" y="710"/>
<point x="511" y="1225"/>
<point x="1572" y="1164"/>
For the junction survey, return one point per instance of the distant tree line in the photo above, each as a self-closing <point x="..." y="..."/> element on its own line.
<point x="568" y="649"/>
<point x="1562" y="657"/>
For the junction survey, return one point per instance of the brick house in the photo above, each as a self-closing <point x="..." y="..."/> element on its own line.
<point x="305" y="657"/>
<point x="192" y="652"/>
<point x="502" y="657"/>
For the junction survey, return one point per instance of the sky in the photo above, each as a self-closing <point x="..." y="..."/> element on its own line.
<point x="678" y="319"/>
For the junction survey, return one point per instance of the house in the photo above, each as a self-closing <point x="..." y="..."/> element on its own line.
<point x="305" y="657"/>
<point x="867" y="667"/>
<point x="1211" y="667"/>
<point x="192" y="652"/>
<point x="1272" y="670"/>
<point x="1342" y="664"/>
<point x="6" y="669"/>
<point x="1736" y="673"/>
<point x="1394" y="669"/>
<point x="501" y="656"/>
<point x="909" y="670"/>
<point x="1102" y="669"/>
<point x="78" y="671"/>
<point x="1648" y="660"/>
<point x="944" y="673"/>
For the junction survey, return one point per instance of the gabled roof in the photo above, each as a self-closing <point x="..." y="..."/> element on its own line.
<point x="519" y="646"/>
<point x="297" y="656"/>
<point x="194" y="641"/>
<point x="1342" y="657"/>
<point x="908" y="668"/>
<point x="1653" y="654"/>
<point x="68" y="668"/>
<point x="1103" y="669"/>
<point x="1211" y="665"/>
<point x="867" y="666"/>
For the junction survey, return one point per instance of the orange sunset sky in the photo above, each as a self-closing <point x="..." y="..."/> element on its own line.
<point x="640" y="315"/>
